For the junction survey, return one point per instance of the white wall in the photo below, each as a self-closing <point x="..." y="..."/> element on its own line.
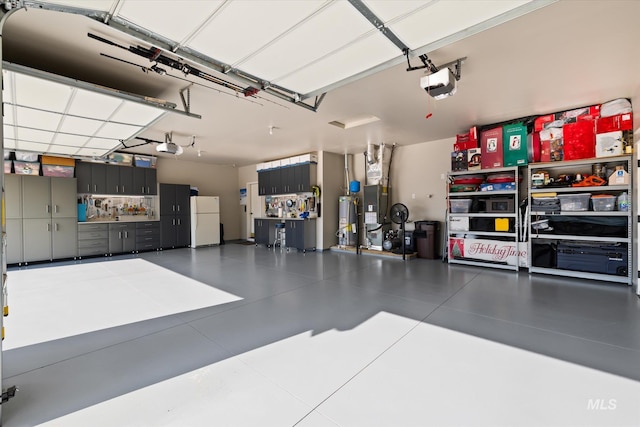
<point x="331" y="183"/>
<point x="246" y="174"/>
<point x="211" y="180"/>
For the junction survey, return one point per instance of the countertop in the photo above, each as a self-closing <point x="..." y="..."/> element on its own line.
<point x="123" y="218"/>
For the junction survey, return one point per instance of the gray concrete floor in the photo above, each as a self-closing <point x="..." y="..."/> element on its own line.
<point x="239" y="335"/>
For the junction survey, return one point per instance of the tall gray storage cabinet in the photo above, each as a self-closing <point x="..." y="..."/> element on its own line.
<point x="45" y="210"/>
<point x="175" y="228"/>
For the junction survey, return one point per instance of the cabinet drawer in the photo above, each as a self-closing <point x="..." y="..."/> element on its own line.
<point x="147" y="232"/>
<point x="102" y="244"/>
<point x="145" y="246"/>
<point x="148" y="225"/>
<point x="91" y="251"/>
<point x="90" y="235"/>
<point x="93" y="227"/>
<point x="147" y="239"/>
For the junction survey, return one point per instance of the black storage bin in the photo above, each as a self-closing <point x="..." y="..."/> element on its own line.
<point x="604" y="258"/>
<point x="544" y="254"/>
<point x="426" y="236"/>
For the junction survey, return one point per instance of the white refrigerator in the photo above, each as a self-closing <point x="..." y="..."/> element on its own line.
<point x="205" y="220"/>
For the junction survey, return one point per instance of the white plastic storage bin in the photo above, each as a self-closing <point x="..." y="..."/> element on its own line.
<point x="574" y="202"/>
<point x="460" y="205"/>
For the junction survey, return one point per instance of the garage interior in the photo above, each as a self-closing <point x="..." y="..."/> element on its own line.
<point x="245" y="335"/>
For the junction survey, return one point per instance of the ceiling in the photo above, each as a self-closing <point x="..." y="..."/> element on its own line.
<point x="541" y="59"/>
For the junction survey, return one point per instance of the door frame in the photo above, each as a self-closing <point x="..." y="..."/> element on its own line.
<point x="249" y="207"/>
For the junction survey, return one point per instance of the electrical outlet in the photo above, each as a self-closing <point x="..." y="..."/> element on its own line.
<point x="413" y="195"/>
<point x="443" y="176"/>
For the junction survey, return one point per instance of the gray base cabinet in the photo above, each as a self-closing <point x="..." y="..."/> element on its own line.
<point x="122" y="238"/>
<point x="147" y="236"/>
<point x="264" y="231"/>
<point x="14" y="241"/>
<point x="93" y="239"/>
<point x="301" y="234"/>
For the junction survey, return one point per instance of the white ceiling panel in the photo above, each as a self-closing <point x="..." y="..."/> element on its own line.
<point x="445" y="18"/>
<point x="136" y="114"/>
<point x="80" y="126"/>
<point x="33" y="135"/>
<point x="36" y="118"/>
<point x="62" y="149"/>
<point x="74" y="140"/>
<point x="38" y="93"/>
<point x="9" y="143"/>
<point x="8" y="131"/>
<point x="92" y="152"/>
<point x="31" y="146"/>
<point x="117" y="131"/>
<point x="335" y="27"/>
<point x="93" y="105"/>
<point x="356" y="58"/>
<point x="102" y="143"/>
<point x="233" y="34"/>
<point x="389" y="10"/>
<point x="175" y="20"/>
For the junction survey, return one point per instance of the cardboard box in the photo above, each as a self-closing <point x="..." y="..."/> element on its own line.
<point x="459" y="146"/>
<point x="609" y="144"/>
<point x="492" y="150"/>
<point x="60" y="161"/>
<point x="615" y="123"/>
<point x="579" y="140"/>
<point x="539" y="122"/>
<point x="459" y="160"/>
<point x="459" y="223"/>
<point x="514" y="140"/>
<point x="474" y="159"/>
<point x="552" y="145"/>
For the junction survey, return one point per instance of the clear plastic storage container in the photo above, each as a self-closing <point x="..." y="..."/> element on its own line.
<point x="460" y="205"/>
<point x="603" y="203"/>
<point x="574" y="202"/>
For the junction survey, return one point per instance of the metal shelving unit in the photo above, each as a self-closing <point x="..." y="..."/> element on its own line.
<point x="489" y="238"/>
<point x="582" y="166"/>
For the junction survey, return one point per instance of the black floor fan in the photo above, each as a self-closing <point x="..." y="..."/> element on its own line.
<point x="400" y="214"/>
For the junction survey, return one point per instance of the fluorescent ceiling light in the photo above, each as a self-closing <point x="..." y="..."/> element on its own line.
<point x="354" y="122"/>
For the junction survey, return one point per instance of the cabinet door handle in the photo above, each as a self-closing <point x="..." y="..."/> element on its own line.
<point x="57" y="227"/>
<point x="95" y="188"/>
<point x="142" y="190"/>
<point x="178" y="208"/>
<point x="126" y="234"/>
<point x="148" y="190"/>
<point x="119" y="234"/>
<point x="173" y="221"/>
<point x="179" y="221"/>
<point x="173" y="208"/>
<point x="88" y="188"/>
<point x="48" y="227"/>
<point x="55" y="208"/>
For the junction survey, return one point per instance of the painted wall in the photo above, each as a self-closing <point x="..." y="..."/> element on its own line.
<point x="211" y="180"/>
<point x="331" y="183"/>
<point x="246" y="174"/>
